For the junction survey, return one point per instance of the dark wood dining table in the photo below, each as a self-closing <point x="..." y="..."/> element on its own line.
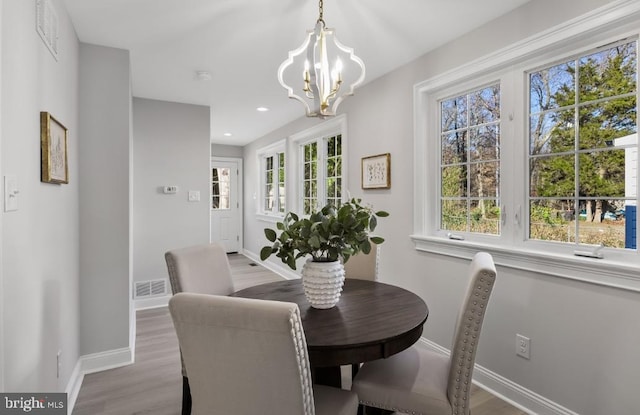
<point x="372" y="320"/>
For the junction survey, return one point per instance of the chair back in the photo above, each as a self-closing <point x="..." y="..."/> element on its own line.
<point x="467" y="331"/>
<point x="363" y="266"/>
<point x="244" y="356"/>
<point x="200" y="269"/>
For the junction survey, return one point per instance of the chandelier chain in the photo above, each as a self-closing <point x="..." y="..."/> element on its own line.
<point x="321" y="12"/>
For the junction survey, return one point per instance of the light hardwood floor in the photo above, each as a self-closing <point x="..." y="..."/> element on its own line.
<point x="153" y="384"/>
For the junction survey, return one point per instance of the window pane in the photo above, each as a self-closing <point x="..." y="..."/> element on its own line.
<point x="602" y="174"/>
<point x="454" y="114"/>
<point x="552" y="176"/>
<point x="552" y="220"/>
<point x="454" y="215"/>
<point x="603" y="222"/>
<point x="220" y="188"/>
<point x="552" y="88"/>
<point x="603" y="122"/>
<point x="608" y="73"/>
<point x="484" y="105"/>
<point x="454" y="181"/>
<point x="552" y="132"/>
<point x="485" y="216"/>
<point x="485" y="178"/>
<point x="484" y="143"/>
<point x="454" y="147"/>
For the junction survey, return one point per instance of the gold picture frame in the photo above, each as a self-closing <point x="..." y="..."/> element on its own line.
<point x="376" y="171"/>
<point x="53" y="150"/>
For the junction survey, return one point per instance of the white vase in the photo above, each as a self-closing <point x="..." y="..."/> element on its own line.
<point x="322" y="282"/>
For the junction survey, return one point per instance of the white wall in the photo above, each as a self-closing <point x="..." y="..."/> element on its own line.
<point x="583" y="337"/>
<point x="171" y="147"/>
<point x="105" y="201"/>
<point x="40" y="249"/>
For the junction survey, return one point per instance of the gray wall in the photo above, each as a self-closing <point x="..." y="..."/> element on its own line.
<point x="584" y="336"/>
<point x="171" y="147"/>
<point x="40" y="249"/>
<point x="105" y="199"/>
<point x="221" y="150"/>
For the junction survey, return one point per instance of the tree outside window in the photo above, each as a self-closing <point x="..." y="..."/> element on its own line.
<point x="470" y="162"/>
<point x="583" y="148"/>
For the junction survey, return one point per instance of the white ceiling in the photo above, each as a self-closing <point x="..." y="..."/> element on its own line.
<point x="242" y="43"/>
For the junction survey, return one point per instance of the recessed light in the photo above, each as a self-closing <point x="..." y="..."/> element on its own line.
<point x="262" y="109"/>
<point x="227" y="134"/>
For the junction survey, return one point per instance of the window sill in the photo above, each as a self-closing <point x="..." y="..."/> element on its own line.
<point x="605" y="272"/>
<point x="271" y="218"/>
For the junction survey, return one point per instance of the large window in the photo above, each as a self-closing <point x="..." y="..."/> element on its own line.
<point x="583" y="148"/>
<point x="272" y="180"/>
<point x="320" y="166"/>
<point x="532" y="154"/>
<point x="322" y="173"/>
<point x="470" y="161"/>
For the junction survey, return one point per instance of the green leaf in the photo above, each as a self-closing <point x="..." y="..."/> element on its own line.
<point x="373" y="222"/>
<point x="265" y="252"/>
<point x="382" y="214"/>
<point x="291" y="262"/>
<point x="280" y="226"/>
<point x="377" y="240"/>
<point x="270" y="234"/>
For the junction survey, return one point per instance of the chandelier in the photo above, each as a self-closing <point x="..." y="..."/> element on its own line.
<point x="322" y="70"/>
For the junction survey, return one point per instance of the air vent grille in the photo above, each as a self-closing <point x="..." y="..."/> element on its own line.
<point x="151" y="288"/>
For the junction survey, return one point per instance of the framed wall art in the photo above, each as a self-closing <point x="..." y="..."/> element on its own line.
<point x="53" y="150"/>
<point x="376" y="171"/>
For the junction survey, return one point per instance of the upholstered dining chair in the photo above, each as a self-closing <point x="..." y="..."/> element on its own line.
<point x="247" y="356"/>
<point x="200" y="269"/>
<point x="419" y="381"/>
<point x="363" y="266"/>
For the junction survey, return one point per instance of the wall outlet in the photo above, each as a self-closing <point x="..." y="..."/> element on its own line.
<point x="523" y="346"/>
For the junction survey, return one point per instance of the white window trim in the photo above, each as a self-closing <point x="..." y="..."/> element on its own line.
<point x="279" y="146"/>
<point x="334" y="126"/>
<point x="609" y="23"/>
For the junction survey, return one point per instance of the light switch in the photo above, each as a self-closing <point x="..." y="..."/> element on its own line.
<point x="194" y="195"/>
<point x="10" y="193"/>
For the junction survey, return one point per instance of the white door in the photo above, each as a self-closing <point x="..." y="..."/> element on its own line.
<point x="226" y="209"/>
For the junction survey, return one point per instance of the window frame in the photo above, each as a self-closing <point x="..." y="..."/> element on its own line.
<point x="511" y="67"/>
<point x="273" y="150"/>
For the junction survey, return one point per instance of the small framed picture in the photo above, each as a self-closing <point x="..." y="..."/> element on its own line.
<point x="53" y="150"/>
<point x="376" y="171"/>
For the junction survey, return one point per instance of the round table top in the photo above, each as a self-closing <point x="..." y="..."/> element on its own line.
<point x="372" y="320"/>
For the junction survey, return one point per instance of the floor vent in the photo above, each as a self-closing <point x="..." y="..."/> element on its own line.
<point x="150" y="288"/>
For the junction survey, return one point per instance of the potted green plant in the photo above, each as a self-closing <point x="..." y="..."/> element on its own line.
<point x="329" y="237"/>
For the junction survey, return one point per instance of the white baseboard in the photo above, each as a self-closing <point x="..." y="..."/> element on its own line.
<point x="283" y="271"/>
<point x="154" y="302"/>
<point x="96" y="362"/>
<point x="516" y="395"/>
<point x="73" y="387"/>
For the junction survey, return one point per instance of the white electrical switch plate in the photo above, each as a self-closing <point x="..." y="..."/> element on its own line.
<point x="10" y="193"/>
<point x="194" y="195"/>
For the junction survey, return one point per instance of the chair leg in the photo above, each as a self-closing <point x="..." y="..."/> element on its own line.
<point x="186" y="396"/>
